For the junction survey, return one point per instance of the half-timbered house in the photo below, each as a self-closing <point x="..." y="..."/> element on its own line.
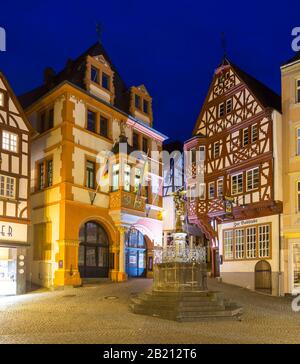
<point x="14" y="191"/>
<point x="234" y="178"/>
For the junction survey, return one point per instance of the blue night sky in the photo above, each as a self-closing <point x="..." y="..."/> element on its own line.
<point x="172" y="47"/>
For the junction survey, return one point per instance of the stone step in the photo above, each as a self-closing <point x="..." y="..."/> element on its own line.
<point x="149" y="296"/>
<point x="179" y="304"/>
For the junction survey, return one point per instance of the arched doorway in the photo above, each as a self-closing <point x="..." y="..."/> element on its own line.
<point x="93" y="258"/>
<point x="136" y="254"/>
<point x="263" y="276"/>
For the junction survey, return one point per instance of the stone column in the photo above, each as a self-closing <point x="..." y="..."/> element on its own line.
<point x="122" y="276"/>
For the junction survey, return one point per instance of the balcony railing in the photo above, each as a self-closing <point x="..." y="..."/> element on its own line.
<point x="129" y="200"/>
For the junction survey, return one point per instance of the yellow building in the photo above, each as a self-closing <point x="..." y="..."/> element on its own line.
<point x="290" y="75"/>
<point x="94" y="215"/>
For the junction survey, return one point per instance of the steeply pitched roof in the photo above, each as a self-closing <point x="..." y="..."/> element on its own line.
<point x="74" y="72"/>
<point x="293" y="59"/>
<point x="266" y="96"/>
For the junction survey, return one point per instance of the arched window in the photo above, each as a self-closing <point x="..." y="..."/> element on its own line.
<point x="135" y="239"/>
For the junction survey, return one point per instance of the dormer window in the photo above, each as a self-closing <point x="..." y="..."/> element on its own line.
<point x="105" y="81"/>
<point x="146" y="106"/>
<point x="137" y="101"/>
<point x="94" y="74"/>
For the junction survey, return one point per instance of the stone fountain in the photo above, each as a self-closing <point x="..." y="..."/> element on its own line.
<point x="179" y="290"/>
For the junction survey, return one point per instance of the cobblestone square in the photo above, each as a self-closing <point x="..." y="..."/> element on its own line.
<point x="99" y="313"/>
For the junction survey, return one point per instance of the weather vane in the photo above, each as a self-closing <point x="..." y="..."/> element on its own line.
<point x="224" y="45"/>
<point x="99" y="30"/>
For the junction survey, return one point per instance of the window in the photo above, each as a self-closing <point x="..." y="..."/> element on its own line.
<point x="49" y="172"/>
<point x="137" y="101"/>
<point x="228" y="244"/>
<point x="239" y="243"/>
<point x="252" y="179"/>
<point x="251" y="242"/>
<point x="245" y="137"/>
<point x="298" y="196"/>
<point x="237" y="184"/>
<point x="221" y="111"/>
<point x="192" y="193"/>
<point x="91" y="121"/>
<point x="298" y="141"/>
<point x="202" y="153"/>
<point x="42" y="126"/>
<point x="127" y="169"/>
<point x="1" y="99"/>
<point x="297" y="91"/>
<point x="137" y="179"/>
<point x="115" y="177"/>
<point x="103" y="126"/>
<point x="105" y="81"/>
<point x="135" y="141"/>
<point x="202" y="191"/>
<point x="211" y="190"/>
<point x="90" y="174"/>
<point x="216" y="149"/>
<point x="220" y="187"/>
<point x="45" y="174"/>
<point x="145" y="106"/>
<point x="254" y="133"/>
<point x="9" y="141"/>
<point x="228" y="106"/>
<point x="94" y="74"/>
<point x="145" y="145"/>
<point x="7" y="186"/>
<point x="264" y="241"/>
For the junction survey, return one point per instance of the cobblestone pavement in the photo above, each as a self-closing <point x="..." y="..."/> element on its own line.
<point x="89" y="315"/>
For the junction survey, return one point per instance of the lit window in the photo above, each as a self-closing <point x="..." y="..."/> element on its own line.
<point x="9" y="141"/>
<point x="103" y="126"/>
<point x="115" y="177"/>
<point x="192" y="193"/>
<point x="216" y="149"/>
<point x="254" y="133"/>
<point x="228" y="244"/>
<point x="298" y="196"/>
<point x="220" y="187"/>
<point x="221" y="111"/>
<point x="202" y="153"/>
<point x="202" y="191"/>
<point x="252" y="179"/>
<point x="297" y="91"/>
<point x="90" y="174"/>
<point x="264" y="241"/>
<point x="94" y="74"/>
<point x="91" y="121"/>
<point x="228" y="106"/>
<point x="251" y="242"/>
<point x="211" y="190"/>
<point x="245" y="140"/>
<point x="237" y="184"/>
<point x="7" y="186"/>
<point x="105" y="81"/>
<point x="1" y="99"/>
<point x="127" y="169"/>
<point x="298" y="141"/>
<point x="239" y="243"/>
